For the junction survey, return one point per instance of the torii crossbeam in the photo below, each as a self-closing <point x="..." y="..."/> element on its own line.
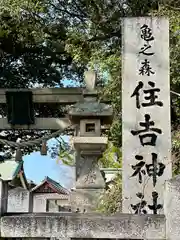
<point x="62" y="96"/>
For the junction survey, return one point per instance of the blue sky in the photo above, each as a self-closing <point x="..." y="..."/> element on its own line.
<point x="37" y="167"/>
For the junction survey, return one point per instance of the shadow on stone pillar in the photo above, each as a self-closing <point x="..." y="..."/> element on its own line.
<point x="30" y="202"/>
<point x="3" y="196"/>
<point x="172" y="208"/>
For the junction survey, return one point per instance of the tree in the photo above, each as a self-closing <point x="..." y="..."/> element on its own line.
<point x="33" y="52"/>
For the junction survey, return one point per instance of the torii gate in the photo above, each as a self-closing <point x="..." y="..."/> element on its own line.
<point x="63" y="96"/>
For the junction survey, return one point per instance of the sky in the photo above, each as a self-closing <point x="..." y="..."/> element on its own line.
<point x="37" y="167"/>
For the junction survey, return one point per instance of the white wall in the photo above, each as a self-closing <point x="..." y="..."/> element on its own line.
<point x="18" y="200"/>
<point x="39" y="201"/>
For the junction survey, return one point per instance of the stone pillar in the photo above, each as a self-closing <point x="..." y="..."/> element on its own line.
<point x="172" y="208"/>
<point x="146" y="122"/>
<point x="89" y="182"/>
<point x="3" y="196"/>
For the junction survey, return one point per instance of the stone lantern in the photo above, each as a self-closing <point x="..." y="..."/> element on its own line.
<point x="89" y="145"/>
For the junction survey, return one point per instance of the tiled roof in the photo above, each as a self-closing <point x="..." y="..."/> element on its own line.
<point x="18" y="168"/>
<point x="9" y="169"/>
<point x="55" y="185"/>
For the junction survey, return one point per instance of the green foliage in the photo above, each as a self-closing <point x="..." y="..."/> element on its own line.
<point x="111" y="157"/>
<point x="111" y="201"/>
<point x="66" y="158"/>
<point x="176" y="152"/>
<point x="65" y="153"/>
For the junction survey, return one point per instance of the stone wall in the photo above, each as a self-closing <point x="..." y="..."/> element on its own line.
<point x="73" y="225"/>
<point x="88" y="225"/>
